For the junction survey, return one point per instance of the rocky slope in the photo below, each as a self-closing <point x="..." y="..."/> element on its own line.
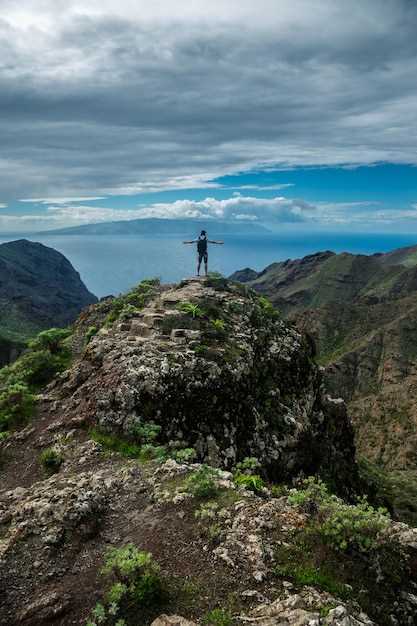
<point x="362" y="312"/>
<point x="162" y="380"/>
<point x="39" y="289"/>
<point x="238" y="384"/>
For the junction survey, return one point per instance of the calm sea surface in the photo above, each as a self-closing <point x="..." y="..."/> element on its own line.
<point x="113" y="264"/>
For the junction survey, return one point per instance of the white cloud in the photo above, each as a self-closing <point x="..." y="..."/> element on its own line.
<point x="191" y="181"/>
<point x="279" y="210"/>
<point x="237" y="207"/>
<point x="48" y="201"/>
<point x="3" y="205"/>
<point x="264" y="209"/>
<point x="263" y="187"/>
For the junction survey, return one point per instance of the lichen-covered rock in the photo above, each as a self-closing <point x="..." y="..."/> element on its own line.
<point x="306" y="608"/>
<point x="228" y="378"/>
<point x="54" y="506"/>
<point x="172" y="620"/>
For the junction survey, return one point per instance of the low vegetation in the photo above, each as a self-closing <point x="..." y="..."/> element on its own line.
<point x="141" y="444"/>
<point x="129" y="304"/>
<point x="343" y="549"/>
<point x="202" y="483"/>
<point x="244" y="475"/>
<point x="51" y="460"/>
<point x="134" y="584"/>
<point x="253" y="482"/>
<point x="47" y="355"/>
<point x="91" y="332"/>
<point x="192" y="309"/>
<point x="313" y="576"/>
<point x="217" y="617"/>
<point x="344" y="527"/>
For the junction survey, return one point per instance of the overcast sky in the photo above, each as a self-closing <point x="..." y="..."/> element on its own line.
<point x="131" y="108"/>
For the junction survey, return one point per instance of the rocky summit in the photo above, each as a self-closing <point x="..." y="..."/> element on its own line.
<point x="219" y="373"/>
<point x="188" y="467"/>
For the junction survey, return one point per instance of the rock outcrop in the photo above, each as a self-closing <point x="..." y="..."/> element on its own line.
<point x="233" y="381"/>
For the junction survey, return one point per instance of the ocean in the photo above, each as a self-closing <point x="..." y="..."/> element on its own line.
<point x="113" y="264"/>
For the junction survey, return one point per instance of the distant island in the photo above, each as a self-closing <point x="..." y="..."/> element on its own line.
<point x="158" y="226"/>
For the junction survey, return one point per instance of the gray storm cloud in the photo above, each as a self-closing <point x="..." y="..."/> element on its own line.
<point x="121" y="97"/>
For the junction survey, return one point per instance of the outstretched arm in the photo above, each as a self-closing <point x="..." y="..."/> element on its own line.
<point x="190" y="241"/>
<point x="220" y="243"/>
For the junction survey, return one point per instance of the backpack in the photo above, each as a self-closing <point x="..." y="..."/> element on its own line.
<point x="202" y="245"/>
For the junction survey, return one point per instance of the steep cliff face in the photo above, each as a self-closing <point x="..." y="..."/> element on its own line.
<point x="162" y="379"/>
<point x="221" y="373"/>
<point x="39" y="289"/>
<point x="362" y="312"/>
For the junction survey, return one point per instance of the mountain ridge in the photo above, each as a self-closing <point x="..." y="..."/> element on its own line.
<point x="39" y="289"/>
<point x="362" y="312"/>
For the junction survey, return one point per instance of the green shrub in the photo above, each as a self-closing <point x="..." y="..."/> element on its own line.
<point x="34" y="368"/>
<point x="249" y="464"/>
<point x="91" y="332"/>
<point x="313" y="576"/>
<point x="129" y="304"/>
<point x="149" y="452"/>
<point x="116" y="444"/>
<point x="50" y="340"/>
<point x="51" y="460"/>
<point x="311" y="489"/>
<point x="342" y="526"/>
<point x="202" y="483"/>
<point x="39" y="368"/>
<point x="209" y="511"/>
<point x="253" y="482"/>
<point x="136" y="585"/>
<point x="217" y="617"/>
<point x="129" y="448"/>
<point x="191" y="309"/>
<point x="98" y="613"/>
<point x="353" y="527"/>
<point x="116" y="593"/>
<point x="128" y="311"/>
<point x="147" y="432"/>
<point x="277" y="491"/>
<point x="267" y="307"/>
<point x="186" y="455"/>
<point x="202" y="349"/>
<point x="16" y="406"/>
<point x="149" y="282"/>
<point x="4" y="435"/>
<point x="218" y="325"/>
<point x="47" y="355"/>
<point x="137" y="571"/>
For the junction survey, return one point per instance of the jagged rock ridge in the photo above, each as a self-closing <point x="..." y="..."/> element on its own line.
<point x="362" y="312"/>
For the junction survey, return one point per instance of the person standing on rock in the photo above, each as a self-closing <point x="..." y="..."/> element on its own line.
<point x="202" y="253"/>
